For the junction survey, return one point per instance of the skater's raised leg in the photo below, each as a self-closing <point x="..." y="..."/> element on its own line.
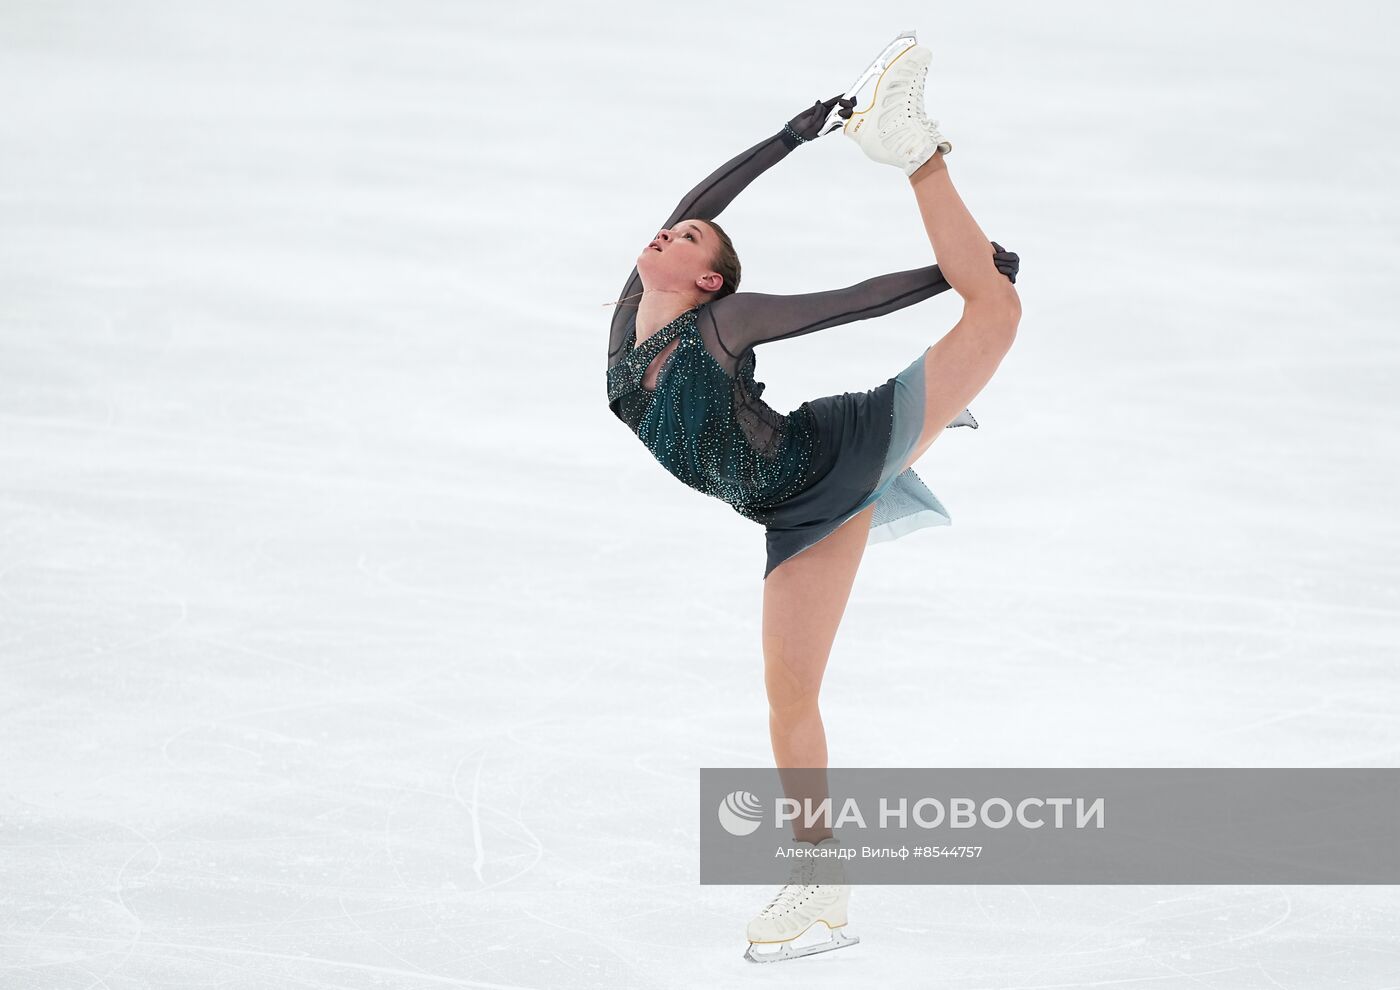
<point x="960" y="365"/>
<point x="963" y="253"/>
<point x="897" y="131"/>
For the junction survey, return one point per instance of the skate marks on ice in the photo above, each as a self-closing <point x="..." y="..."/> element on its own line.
<point x="1051" y="938"/>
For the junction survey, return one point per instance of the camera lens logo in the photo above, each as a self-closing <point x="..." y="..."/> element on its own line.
<point x="740" y="813"/>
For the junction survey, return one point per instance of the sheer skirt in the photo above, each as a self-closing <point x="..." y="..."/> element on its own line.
<point x="861" y="440"/>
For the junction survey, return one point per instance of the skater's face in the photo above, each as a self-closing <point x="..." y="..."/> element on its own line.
<point x="681" y="258"/>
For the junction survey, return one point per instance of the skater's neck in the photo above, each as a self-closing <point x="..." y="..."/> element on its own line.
<point x="659" y="307"/>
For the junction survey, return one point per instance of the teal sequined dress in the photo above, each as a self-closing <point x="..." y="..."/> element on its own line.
<point x="689" y="423"/>
<point x="800" y="474"/>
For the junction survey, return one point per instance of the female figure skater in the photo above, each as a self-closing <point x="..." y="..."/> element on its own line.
<point x="834" y="474"/>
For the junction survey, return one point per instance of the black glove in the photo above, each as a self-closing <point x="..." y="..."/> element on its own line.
<point x="807" y="125"/>
<point x="1007" y="262"/>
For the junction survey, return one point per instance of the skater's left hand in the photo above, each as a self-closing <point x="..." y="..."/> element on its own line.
<point x="808" y="123"/>
<point x="1007" y="262"/>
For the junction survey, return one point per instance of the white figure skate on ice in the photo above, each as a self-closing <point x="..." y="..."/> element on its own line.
<point x="892" y="127"/>
<point x="808" y="915"/>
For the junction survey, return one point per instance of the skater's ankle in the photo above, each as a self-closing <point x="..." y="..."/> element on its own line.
<point x="812" y="838"/>
<point x="933" y="165"/>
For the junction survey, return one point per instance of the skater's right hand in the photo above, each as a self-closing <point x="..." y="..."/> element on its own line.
<point x="1007" y="262"/>
<point x="808" y="123"/>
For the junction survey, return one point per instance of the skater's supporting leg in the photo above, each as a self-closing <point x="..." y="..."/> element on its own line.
<point x="960" y="365"/>
<point x="804" y="599"/>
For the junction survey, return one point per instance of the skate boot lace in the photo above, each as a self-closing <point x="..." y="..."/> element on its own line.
<point x="916" y="97"/>
<point x="787" y="899"/>
<point x="792" y="893"/>
<point x="915" y="115"/>
<point x="920" y="113"/>
<point x="798" y="888"/>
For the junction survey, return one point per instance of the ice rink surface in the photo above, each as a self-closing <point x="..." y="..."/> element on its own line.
<point x="347" y="641"/>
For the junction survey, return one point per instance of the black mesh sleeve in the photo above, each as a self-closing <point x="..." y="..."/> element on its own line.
<point x="705" y="202"/>
<point x="748" y="318"/>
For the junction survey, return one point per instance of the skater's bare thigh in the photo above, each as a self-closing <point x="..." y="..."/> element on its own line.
<point x="960" y="365"/>
<point x="804" y="599"/>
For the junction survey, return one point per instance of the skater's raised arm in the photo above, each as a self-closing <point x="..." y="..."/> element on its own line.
<point x="748" y="318"/>
<point x="716" y="191"/>
<point x="705" y="202"/>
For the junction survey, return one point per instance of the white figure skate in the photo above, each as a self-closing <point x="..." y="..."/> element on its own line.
<point x="807" y="916"/>
<point x="860" y="89"/>
<point x="893" y="128"/>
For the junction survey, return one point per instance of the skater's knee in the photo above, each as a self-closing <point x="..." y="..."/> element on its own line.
<point x="995" y="304"/>
<point x="791" y="687"/>
<point x="992" y="319"/>
<point x="795" y="708"/>
<point x="792" y="671"/>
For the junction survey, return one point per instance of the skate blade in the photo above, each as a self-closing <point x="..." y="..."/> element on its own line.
<point x="901" y="43"/>
<point x="760" y="952"/>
